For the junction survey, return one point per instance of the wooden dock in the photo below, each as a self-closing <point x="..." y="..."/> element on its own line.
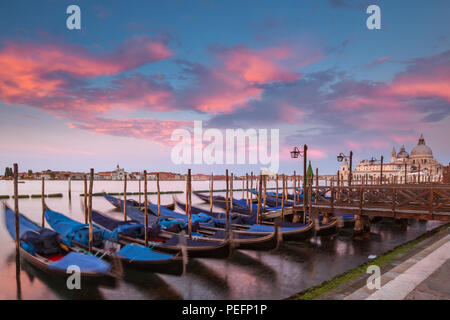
<point x="424" y="202"/>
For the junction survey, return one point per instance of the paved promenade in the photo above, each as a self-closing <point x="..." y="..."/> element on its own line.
<point x="423" y="274"/>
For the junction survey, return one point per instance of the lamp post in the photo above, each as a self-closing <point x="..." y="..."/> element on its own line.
<point x="341" y="158"/>
<point x="295" y="153"/>
<point x="372" y="161"/>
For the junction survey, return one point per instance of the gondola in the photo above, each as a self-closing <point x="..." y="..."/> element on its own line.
<point x="239" y="207"/>
<point x="43" y="248"/>
<point x="240" y="238"/>
<point x="288" y="231"/>
<point x="106" y="243"/>
<point x="134" y="203"/>
<point x="132" y="231"/>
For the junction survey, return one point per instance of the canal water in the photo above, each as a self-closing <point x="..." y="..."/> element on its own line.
<point x="293" y="267"/>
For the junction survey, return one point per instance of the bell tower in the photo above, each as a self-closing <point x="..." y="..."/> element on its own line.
<point x="393" y="155"/>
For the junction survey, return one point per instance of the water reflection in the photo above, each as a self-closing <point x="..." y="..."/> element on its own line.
<point x="18" y="284"/>
<point x="152" y="285"/>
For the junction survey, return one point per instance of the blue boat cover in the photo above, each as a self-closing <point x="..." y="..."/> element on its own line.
<point x="25" y="224"/>
<point x="86" y="263"/>
<point x="76" y="231"/>
<point x="140" y="253"/>
<point x="130" y="228"/>
<point x="266" y="228"/>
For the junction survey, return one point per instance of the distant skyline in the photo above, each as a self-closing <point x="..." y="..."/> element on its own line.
<point x="114" y="91"/>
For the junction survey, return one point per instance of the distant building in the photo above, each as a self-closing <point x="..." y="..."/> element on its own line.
<point x="419" y="161"/>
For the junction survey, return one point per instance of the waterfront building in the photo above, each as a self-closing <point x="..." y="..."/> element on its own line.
<point x="419" y="162"/>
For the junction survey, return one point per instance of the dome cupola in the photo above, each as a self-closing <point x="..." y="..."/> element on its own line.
<point x="402" y="154"/>
<point x="421" y="150"/>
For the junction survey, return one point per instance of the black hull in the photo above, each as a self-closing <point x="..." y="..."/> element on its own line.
<point x="303" y="234"/>
<point x="328" y="229"/>
<point x="265" y="243"/>
<point x="86" y="277"/>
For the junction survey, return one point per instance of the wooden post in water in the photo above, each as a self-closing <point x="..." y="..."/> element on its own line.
<point x="282" y="203"/>
<point x="231" y="192"/>
<point x="295" y="185"/>
<point x="188" y="199"/>
<point x="246" y="187"/>
<point x="16" y="207"/>
<point x="85" y="200"/>
<point x="305" y="156"/>
<point x="243" y="187"/>
<point x="258" y="213"/>
<point x="264" y="195"/>
<point x="140" y="203"/>
<point x="251" y="193"/>
<point x="159" y="194"/>
<point x="145" y="207"/>
<point x="125" y="198"/>
<point x="70" y="187"/>
<point x="91" y="186"/>
<point x="276" y="187"/>
<point x="227" y="208"/>
<point x="211" y="186"/>
<point x="43" y="202"/>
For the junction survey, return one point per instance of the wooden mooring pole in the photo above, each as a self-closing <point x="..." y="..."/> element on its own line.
<point x="231" y="191"/>
<point x="70" y="187"/>
<point x="91" y="186"/>
<point x="125" y="198"/>
<point x="227" y="205"/>
<point x="16" y="207"/>
<point x="276" y="187"/>
<point x="258" y="212"/>
<point x="188" y="205"/>
<point x="145" y="207"/>
<point x="158" y="194"/>
<point x="305" y="156"/>
<point x="211" y="186"/>
<point x="140" y="203"/>
<point x="251" y="192"/>
<point x="246" y="187"/>
<point x="85" y="199"/>
<point x="43" y="202"/>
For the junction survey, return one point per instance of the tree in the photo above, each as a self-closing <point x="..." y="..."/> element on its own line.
<point x="30" y="172"/>
<point x="8" y="172"/>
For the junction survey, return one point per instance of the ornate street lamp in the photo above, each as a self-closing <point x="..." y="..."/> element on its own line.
<point x="372" y="161"/>
<point x="295" y="153"/>
<point x="341" y="158"/>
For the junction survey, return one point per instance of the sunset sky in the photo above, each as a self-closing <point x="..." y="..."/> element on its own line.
<point x="113" y="92"/>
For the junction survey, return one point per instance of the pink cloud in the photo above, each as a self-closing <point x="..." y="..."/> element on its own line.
<point x="239" y="74"/>
<point x="30" y="72"/>
<point x="258" y="66"/>
<point x="147" y="129"/>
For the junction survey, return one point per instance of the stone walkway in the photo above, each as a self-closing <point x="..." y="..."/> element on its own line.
<point x="403" y="280"/>
<point x="422" y="274"/>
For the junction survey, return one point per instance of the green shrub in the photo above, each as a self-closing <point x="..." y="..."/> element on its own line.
<point x="4" y="197"/>
<point x="22" y="196"/>
<point x="55" y="195"/>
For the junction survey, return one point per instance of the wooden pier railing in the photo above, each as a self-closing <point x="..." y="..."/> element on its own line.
<point x="428" y="202"/>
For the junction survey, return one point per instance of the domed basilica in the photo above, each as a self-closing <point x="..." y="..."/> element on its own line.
<point x="419" y="161"/>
